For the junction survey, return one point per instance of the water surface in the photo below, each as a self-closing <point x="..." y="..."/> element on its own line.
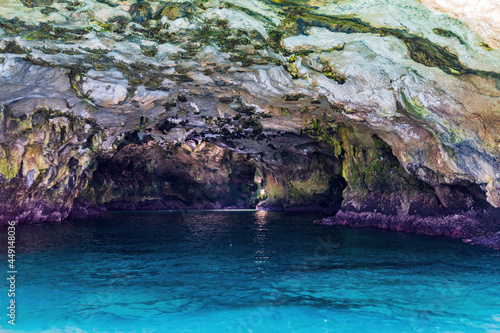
<point x="246" y="272"/>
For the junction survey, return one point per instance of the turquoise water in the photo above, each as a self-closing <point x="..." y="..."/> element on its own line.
<point x="246" y="272"/>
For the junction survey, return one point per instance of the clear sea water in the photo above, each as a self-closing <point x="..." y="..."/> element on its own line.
<point x="246" y="272"/>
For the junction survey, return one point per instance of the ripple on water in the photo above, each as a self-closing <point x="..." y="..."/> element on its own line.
<point x="249" y="272"/>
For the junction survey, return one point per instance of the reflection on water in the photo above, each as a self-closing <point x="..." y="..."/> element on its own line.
<point x="261" y="253"/>
<point x="247" y="272"/>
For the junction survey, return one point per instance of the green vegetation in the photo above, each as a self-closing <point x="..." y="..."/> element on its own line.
<point x="294" y="97"/>
<point x="371" y="167"/>
<point x="43" y="31"/>
<point x="141" y="12"/>
<point x="415" y="107"/>
<point x="285" y="112"/>
<point x="324" y="131"/>
<point x="421" y="49"/>
<point x="48" y="10"/>
<point x="12" y="47"/>
<point x="37" y="3"/>
<point x="330" y="73"/>
<point x="448" y="33"/>
<point x="175" y="10"/>
<point x="298" y="17"/>
<point x="149" y="50"/>
<point x="218" y="33"/>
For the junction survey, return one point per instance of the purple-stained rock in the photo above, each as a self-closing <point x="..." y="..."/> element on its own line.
<point x="83" y="209"/>
<point x="490" y="240"/>
<point x="460" y="225"/>
<point x="269" y="207"/>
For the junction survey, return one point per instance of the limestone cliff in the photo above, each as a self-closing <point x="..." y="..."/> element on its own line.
<point x="386" y="107"/>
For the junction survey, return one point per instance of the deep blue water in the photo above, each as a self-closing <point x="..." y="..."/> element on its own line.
<point x="246" y="272"/>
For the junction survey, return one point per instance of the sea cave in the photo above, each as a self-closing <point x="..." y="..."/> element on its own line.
<point x="262" y="166"/>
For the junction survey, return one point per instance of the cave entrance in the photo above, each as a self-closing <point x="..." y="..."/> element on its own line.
<point x="147" y="176"/>
<point x="143" y="175"/>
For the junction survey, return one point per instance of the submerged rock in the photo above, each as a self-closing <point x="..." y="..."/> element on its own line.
<point x="456" y="226"/>
<point x="461" y="225"/>
<point x="490" y="240"/>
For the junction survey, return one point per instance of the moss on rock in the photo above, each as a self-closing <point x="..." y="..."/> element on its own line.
<point x="37" y="3"/>
<point x="141" y="12"/>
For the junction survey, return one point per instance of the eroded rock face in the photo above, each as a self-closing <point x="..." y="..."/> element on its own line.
<point x="46" y="151"/>
<point x="374" y="106"/>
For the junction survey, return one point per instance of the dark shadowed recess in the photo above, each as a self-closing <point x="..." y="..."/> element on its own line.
<point x="145" y="175"/>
